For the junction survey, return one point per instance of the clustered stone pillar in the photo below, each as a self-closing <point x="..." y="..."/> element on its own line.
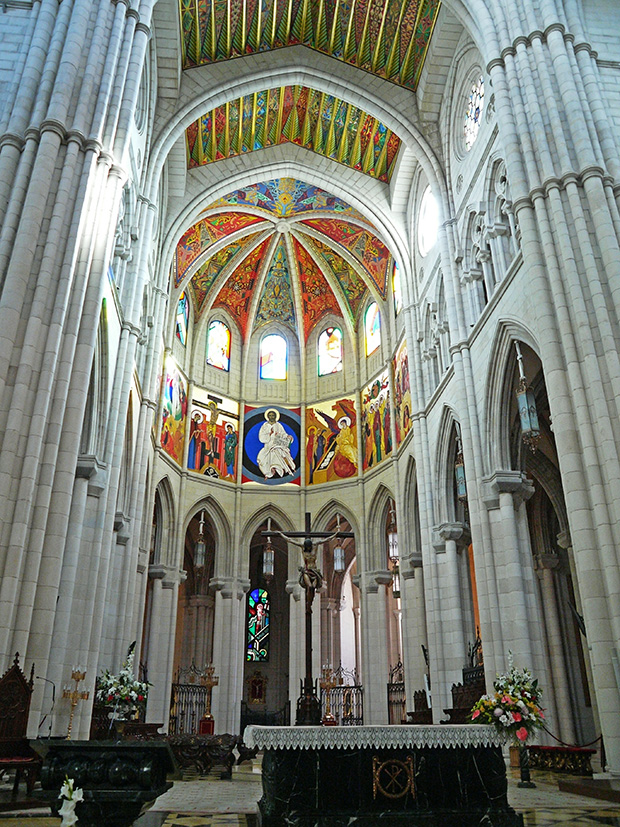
<point x="162" y="627"/>
<point x="372" y="587"/>
<point x="229" y="646"/>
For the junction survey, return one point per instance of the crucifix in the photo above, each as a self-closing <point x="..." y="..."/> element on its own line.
<point x="311" y="580"/>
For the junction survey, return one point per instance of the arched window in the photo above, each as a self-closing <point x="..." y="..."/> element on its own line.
<point x="218" y="345"/>
<point x="396" y="291"/>
<point x="330" y="351"/>
<point x="473" y="113"/>
<point x="258" y="625"/>
<point x="182" y="318"/>
<point x="273" y="357"/>
<point x="428" y="222"/>
<point x="372" y="328"/>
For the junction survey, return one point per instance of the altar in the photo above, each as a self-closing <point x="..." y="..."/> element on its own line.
<point x="449" y="776"/>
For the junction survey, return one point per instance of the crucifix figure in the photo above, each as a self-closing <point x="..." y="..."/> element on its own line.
<point x="311" y="580"/>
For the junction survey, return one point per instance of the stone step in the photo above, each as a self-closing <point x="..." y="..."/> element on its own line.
<point x="604" y="789"/>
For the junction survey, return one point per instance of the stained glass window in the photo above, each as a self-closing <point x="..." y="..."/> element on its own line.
<point x="182" y="317"/>
<point x="372" y="327"/>
<point x="258" y="625"/>
<point x="218" y="345"/>
<point x="330" y="351"/>
<point x="396" y="291"/>
<point x="428" y="222"/>
<point x="273" y="357"/>
<point x="473" y="112"/>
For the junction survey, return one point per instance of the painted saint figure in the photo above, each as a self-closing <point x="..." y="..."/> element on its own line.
<point x="275" y="457"/>
<point x="230" y="447"/>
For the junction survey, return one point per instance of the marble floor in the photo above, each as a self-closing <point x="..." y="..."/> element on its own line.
<point x="211" y="803"/>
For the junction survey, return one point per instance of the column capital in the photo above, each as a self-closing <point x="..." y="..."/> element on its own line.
<point x="369" y="581"/>
<point x="565" y="540"/>
<point x="169" y="575"/>
<point x="449" y="531"/>
<point x="231" y="586"/>
<point x="293" y="588"/>
<point x="546" y="562"/>
<point x="506" y="482"/>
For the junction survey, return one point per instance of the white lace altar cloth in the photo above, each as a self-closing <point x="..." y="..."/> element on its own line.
<point x="378" y="737"/>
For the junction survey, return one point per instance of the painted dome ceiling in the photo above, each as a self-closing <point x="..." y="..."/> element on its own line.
<point x="283" y="251"/>
<point x="388" y="38"/>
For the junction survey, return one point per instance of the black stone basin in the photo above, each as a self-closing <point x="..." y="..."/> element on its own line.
<point x="120" y="779"/>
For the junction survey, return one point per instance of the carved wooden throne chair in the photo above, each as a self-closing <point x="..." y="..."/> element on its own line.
<point x="15" y="751"/>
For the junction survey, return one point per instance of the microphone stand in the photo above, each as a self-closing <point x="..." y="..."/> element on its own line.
<point x="51" y="710"/>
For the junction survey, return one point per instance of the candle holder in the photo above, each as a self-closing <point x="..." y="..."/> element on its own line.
<point x="327" y="683"/>
<point x="208" y="679"/>
<point x="78" y="673"/>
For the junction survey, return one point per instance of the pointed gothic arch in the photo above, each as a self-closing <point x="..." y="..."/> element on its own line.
<point x="499" y="391"/>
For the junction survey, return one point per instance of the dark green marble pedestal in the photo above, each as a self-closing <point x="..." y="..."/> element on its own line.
<point x="119" y="779"/>
<point x="406" y="784"/>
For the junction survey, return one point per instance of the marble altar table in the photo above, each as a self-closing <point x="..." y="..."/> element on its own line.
<point x="449" y="776"/>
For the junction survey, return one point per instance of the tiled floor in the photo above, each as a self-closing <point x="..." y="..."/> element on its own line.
<point x="207" y="803"/>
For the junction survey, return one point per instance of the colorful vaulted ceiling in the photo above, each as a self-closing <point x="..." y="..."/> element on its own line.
<point x="294" y="114"/>
<point x="283" y="251"/>
<point x="386" y="37"/>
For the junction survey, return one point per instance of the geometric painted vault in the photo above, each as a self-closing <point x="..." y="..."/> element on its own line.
<point x="282" y="250"/>
<point x="294" y="114"/>
<point x="388" y="38"/>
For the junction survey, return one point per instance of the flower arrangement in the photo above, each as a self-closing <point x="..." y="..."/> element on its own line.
<point x="515" y="708"/>
<point x="70" y="797"/>
<point x="122" y="693"/>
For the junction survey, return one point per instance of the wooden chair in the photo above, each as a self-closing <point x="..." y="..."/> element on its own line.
<point x="15" y="751"/>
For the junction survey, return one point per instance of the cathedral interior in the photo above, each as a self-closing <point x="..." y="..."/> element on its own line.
<point x="353" y="260"/>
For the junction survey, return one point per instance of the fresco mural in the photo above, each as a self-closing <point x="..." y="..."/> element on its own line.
<point x="203" y="234"/>
<point x="213" y="436"/>
<point x="285" y="197"/>
<point x="174" y="412"/>
<point x="364" y="246"/>
<point x="271" y="445"/>
<point x="317" y="296"/>
<point x="331" y="441"/>
<point x="386" y="38"/>
<point x="294" y="114"/>
<point x="276" y="302"/>
<point x="376" y="421"/>
<point x="402" y="392"/>
<point x="236" y="294"/>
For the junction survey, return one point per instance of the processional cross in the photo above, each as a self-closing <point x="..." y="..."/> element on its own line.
<point x="311" y="580"/>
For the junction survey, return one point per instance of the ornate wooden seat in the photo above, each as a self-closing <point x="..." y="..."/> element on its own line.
<point x="15" y="751"/>
<point x="465" y="695"/>
<point x="421" y="713"/>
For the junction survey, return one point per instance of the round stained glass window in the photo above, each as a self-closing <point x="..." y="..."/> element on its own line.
<point x="473" y="114"/>
<point x="428" y="222"/>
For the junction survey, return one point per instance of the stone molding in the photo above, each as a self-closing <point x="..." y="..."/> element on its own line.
<point x="505" y="482"/>
<point x="230" y="587"/>
<point x="167" y="574"/>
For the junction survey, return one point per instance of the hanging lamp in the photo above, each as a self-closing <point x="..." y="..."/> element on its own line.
<point x="268" y="557"/>
<point x="338" y="551"/>
<point x="459" y="468"/>
<point x="526" y="403"/>
<point x="200" y="547"/>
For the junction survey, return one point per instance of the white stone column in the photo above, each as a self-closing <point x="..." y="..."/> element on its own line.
<point x="414" y="629"/>
<point x="373" y="643"/>
<point x="162" y="623"/>
<point x="558" y="691"/>
<point x="229" y="651"/>
<point x="453" y="626"/>
<point x="296" y="657"/>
